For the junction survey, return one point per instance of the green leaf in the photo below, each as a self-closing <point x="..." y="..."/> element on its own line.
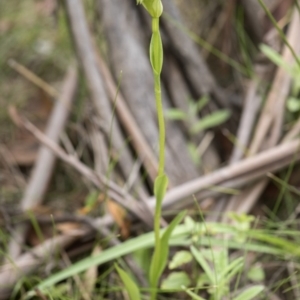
<point x="250" y="293"/>
<point x="192" y="294"/>
<point x="175" y="114"/>
<point x="293" y="104"/>
<point x="276" y="58"/>
<point x="161" y="253"/>
<point x="175" y="280"/>
<point x="131" y="287"/>
<point x="233" y="268"/>
<point x="183" y="235"/>
<point x="203" y="263"/>
<point x="202" y="102"/>
<point x="154" y="7"/>
<point x="256" y="273"/>
<point x="156" y="52"/>
<point x="167" y="234"/>
<point x="160" y="188"/>
<point x="219" y="257"/>
<point x="180" y="258"/>
<point x="211" y="120"/>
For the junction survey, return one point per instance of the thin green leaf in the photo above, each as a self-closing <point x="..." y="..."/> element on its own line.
<point x="279" y="242"/>
<point x="192" y="294"/>
<point x="183" y="235"/>
<point x="276" y="58"/>
<point x="211" y="120"/>
<point x="175" y="114"/>
<point x="233" y="268"/>
<point x="131" y="287"/>
<point x="203" y="263"/>
<point x="141" y="242"/>
<point x="219" y="257"/>
<point x="160" y="188"/>
<point x="166" y="237"/>
<point x="161" y="253"/>
<point x="175" y="280"/>
<point x="202" y="102"/>
<point x="250" y="293"/>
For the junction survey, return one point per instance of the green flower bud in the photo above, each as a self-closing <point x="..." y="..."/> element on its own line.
<point x="154" y="7"/>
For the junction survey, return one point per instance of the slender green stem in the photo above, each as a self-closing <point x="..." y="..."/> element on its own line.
<point x="155" y="8"/>
<point x="161" y="125"/>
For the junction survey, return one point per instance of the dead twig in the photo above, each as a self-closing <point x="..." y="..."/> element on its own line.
<point x="114" y="191"/>
<point x="235" y="175"/>
<point x="33" y="78"/>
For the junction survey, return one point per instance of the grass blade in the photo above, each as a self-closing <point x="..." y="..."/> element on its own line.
<point x="131" y="287"/>
<point x="250" y="293"/>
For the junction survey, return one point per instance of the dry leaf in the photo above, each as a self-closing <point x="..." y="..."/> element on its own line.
<point x="70" y="228"/>
<point x="119" y="215"/>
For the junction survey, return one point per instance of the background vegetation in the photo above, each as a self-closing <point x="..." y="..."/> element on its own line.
<point x="76" y="221"/>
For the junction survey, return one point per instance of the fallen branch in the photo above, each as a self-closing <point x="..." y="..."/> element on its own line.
<point x="113" y="190"/>
<point x="235" y="175"/>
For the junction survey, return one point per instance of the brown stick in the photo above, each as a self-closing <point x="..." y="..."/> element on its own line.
<point x="114" y="191"/>
<point x="267" y="161"/>
<point x="258" y="165"/>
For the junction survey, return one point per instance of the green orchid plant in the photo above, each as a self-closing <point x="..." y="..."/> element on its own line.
<point x="161" y="249"/>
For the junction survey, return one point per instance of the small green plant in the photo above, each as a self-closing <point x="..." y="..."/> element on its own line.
<point x="212" y="120"/>
<point x="208" y="240"/>
<point x="216" y="279"/>
<point x="161" y="248"/>
<point x="194" y="125"/>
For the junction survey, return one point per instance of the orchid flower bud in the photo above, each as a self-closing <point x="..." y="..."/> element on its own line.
<point x="154" y="7"/>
